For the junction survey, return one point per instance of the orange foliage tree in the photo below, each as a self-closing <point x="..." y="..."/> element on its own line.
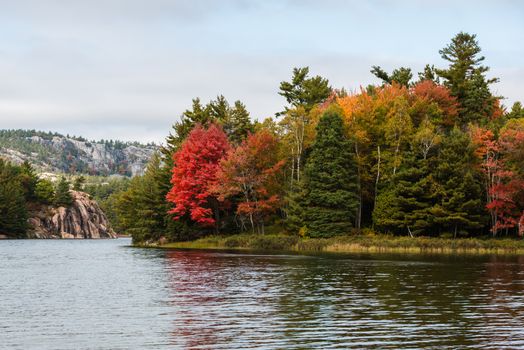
<point x="438" y="96"/>
<point x="250" y="173"/>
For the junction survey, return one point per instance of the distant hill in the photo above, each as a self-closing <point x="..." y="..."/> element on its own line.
<point x="53" y="152"/>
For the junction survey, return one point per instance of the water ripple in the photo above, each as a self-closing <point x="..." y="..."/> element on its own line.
<point x="104" y="295"/>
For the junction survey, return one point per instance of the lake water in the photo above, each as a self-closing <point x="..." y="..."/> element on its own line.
<point x="106" y="295"/>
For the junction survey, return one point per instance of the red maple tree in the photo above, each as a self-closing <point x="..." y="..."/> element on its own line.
<point x="251" y="171"/>
<point x="194" y="173"/>
<point x="435" y="93"/>
<point x="501" y="162"/>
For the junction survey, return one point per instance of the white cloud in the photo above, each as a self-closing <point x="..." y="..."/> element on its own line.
<point x="128" y="68"/>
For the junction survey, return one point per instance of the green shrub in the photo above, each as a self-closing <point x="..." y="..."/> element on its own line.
<point x="273" y="242"/>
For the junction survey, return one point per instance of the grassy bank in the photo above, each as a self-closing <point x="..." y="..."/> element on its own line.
<point x="360" y="243"/>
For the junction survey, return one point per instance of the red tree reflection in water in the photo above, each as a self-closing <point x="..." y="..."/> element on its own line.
<point x="197" y="284"/>
<point x="503" y="289"/>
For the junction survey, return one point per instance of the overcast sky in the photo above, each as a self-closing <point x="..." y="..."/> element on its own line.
<point x="127" y="69"/>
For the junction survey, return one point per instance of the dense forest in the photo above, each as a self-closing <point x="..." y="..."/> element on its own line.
<point x="436" y="154"/>
<point x="433" y="155"/>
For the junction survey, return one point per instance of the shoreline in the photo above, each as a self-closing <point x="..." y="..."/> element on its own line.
<point x="351" y="244"/>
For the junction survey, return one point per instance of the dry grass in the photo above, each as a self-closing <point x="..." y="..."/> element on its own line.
<point x="355" y="243"/>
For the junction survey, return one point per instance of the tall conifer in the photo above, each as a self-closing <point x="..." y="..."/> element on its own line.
<point x="330" y="184"/>
<point x="13" y="214"/>
<point x="461" y="202"/>
<point x="63" y="196"/>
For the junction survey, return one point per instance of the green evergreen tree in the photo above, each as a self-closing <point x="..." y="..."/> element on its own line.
<point x="220" y="112"/>
<point x="63" y="196"/>
<point x="29" y="180"/>
<point x="142" y="208"/>
<point x="219" y="109"/>
<point x="305" y="91"/>
<point x="13" y="212"/>
<point x="330" y="183"/>
<point x="78" y="184"/>
<point x="45" y="191"/>
<point x="516" y="112"/>
<point x="234" y="120"/>
<point x="466" y="79"/>
<point x="241" y="124"/>
<point x="429" y="73"/>
<point x="198" y="114"/>
<point x="294" y="209"/>
<point x="460" y="208"/>
<point x="404" y="206"/>
<point x="400" y="75"/>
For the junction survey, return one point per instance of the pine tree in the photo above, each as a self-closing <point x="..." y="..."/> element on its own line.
<point x="13" y="213"/>
<point x="142" y="209"/>
<point x="400" y="76"/>
<point x="428" y="74"/>
<point x="466" y="78"/>
<point x="516" y="112"/>
<point x="295" y="209"/>
<point x="219" y="109"/>
<point x="304" y="91"/>
<point x="45" y="191"/>
<point x="151" y="206"/>
<point x="78" y="184"/>
<point x="198" y="114"/>
<point x="330" y="184"/>
<point x="460" y="205"/>
<point x="29" y="180"/>
<point x="405" y="205"/>
<point x="241" y="124"/>
<point x="63" y="196"/>
<point x="234" y="121"/>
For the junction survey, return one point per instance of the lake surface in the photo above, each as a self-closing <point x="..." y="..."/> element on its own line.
<point x="106" y="295"/>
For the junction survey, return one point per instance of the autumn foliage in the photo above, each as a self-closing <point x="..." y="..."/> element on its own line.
<point x="251" y="172"/>
<point x="428" y="91"/>
<point x="194" y="173"/>
<point x="502" y="162"/>
<point x="437" y="156"/>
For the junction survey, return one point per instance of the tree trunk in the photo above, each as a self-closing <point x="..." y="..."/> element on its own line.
<point x="377" y="178"/>
<point x="292" y="170"/>
<point x="358" y="220"/>
<point x="300" y="147"/>
<point x="396" y="154"/>
<point x="217" y="216"/>
<point x="252" y="222"/>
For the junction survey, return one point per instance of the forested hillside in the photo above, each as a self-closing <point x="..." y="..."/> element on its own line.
<point x="53" y="152"/>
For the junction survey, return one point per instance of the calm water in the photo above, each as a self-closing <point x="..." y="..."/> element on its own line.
<point x="105" y="295"/>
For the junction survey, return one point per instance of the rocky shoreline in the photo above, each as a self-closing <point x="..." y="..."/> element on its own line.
<point x="84" y="219"/>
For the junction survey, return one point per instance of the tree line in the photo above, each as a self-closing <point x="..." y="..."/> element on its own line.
<point x="435" y="155"/>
